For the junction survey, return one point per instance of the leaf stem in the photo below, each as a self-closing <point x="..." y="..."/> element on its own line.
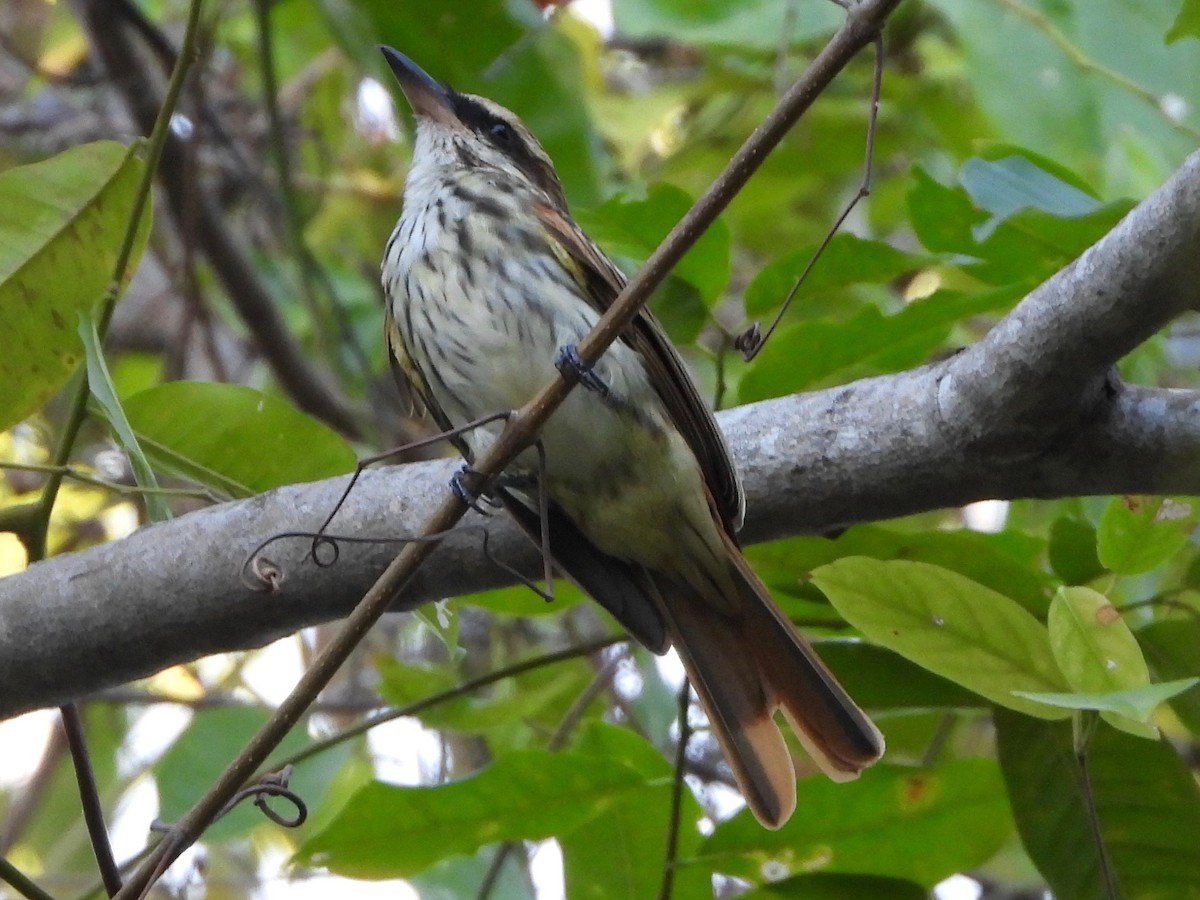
<point x="1084" y="726"/>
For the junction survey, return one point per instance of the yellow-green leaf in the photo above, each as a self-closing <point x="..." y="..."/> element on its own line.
<point x="1137" y="534"/>
<point x="1096" y="651"/>
<point x="62" y="221"/>
<point x="392" y="832"/>
<point x="234" y="439"/>
<point x="948" y="624"/>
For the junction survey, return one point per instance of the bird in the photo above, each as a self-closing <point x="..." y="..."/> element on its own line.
<point x="489" y="285"/>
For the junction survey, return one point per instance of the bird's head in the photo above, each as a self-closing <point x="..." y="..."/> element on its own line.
<point x="465" y="131"/>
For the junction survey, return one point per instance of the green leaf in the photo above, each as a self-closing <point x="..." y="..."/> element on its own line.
<point x="1136" y="703"/>
<point x="617" y="744"/>
<point x="1007" y="562"/>
<point x="481" y="33"/>
<point x="521" y="601"/>
<point x="1187" y="23"/>
<point x="881" y="679"/>
<point x="634" y="228"/>
<point x="1007" y="186"/>
<point x="443" y="621"/>
<point x="62" y="221"/>
<point x="234" y="439"/>
<point x="1065" y="130"/>
<point x="919" y="825"/>
<point x="848" y="260"/>
<point x="1096" y="651"/>
<point x="1020" y="249"/>
<point x="1043" y="166"/>
<point x="1089" y="116"/>
<point x="538" y="696"/>
<point x="656" y="705"/>
<point x="944" y="218"/>
<point x="201" y="754"/>
<point x="1072" y="550"/>
<point x="1137" y="534"/>
<point x="757" y="24"/>
<point x="1172" y="647"/>
<point x="839" y="887"/>
<point x="620" y="852"/>
<point x="807" y="354"/>
<point x="541" y="78"/>
<point x="403" y="684"/>
<point x="391" y="832"/>
<point x="101" y="386"/>
<point x="1147" y="807"/>
<point x="680" y="310"/>
<point x="948" y="624"/>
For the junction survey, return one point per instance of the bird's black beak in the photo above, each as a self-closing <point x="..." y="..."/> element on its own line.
<point x="426" y="97"/>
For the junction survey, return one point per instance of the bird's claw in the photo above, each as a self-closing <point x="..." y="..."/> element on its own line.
<point x="462" y="483"/>
<point x="568" y="362"/>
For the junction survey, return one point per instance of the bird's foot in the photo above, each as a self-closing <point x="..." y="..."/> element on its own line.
<point x="568" y="362"/>
<point x="464" y="483"/>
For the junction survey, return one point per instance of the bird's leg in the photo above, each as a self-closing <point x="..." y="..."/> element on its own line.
<point x="463" y="484"/>
<point x="463" y="490"/>
<point x="318" y="539"/>
<point x="519" y="481"/>
<point x="568" y="362"/>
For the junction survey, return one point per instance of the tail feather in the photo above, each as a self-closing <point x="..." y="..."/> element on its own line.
<point x="747" y="665"/>
<point x="837" y="734"/>
<point x="735" y="699"/>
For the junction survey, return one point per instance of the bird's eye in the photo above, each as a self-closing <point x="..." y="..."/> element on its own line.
<point x="501" y="132"/>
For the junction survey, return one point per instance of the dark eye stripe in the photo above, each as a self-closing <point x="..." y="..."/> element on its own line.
<point x="483" y="122"/>
<point x="508" y="138"/>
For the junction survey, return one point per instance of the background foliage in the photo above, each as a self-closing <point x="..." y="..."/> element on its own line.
<point x="1013" y="133"/>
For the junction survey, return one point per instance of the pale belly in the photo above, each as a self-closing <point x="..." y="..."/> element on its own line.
<point x="614" y="465"/>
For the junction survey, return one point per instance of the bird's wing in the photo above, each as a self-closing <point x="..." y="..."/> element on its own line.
<point x="602" y="282"/>
<point x="408" y="375"/>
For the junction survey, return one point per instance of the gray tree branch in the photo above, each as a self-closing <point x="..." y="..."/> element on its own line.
<point x="1034" y="409"/>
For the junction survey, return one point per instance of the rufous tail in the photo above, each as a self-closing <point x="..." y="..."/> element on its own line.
<point x="746" y="660"/>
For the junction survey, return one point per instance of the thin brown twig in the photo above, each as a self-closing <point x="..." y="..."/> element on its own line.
<point x="20" y="882"/>
<point x="158" y="128"/>
<point x="492" y="876"/>
<point x="1162" y="601"/>
<point x="164" y="52"/>
<point x="751" y="341"/>
<point x="937" y="741"/>
<point x="283" y="165"/>
<point x="861" y="27"/>
<point x="685" y="735"/>
<point x="89" y="798"/>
